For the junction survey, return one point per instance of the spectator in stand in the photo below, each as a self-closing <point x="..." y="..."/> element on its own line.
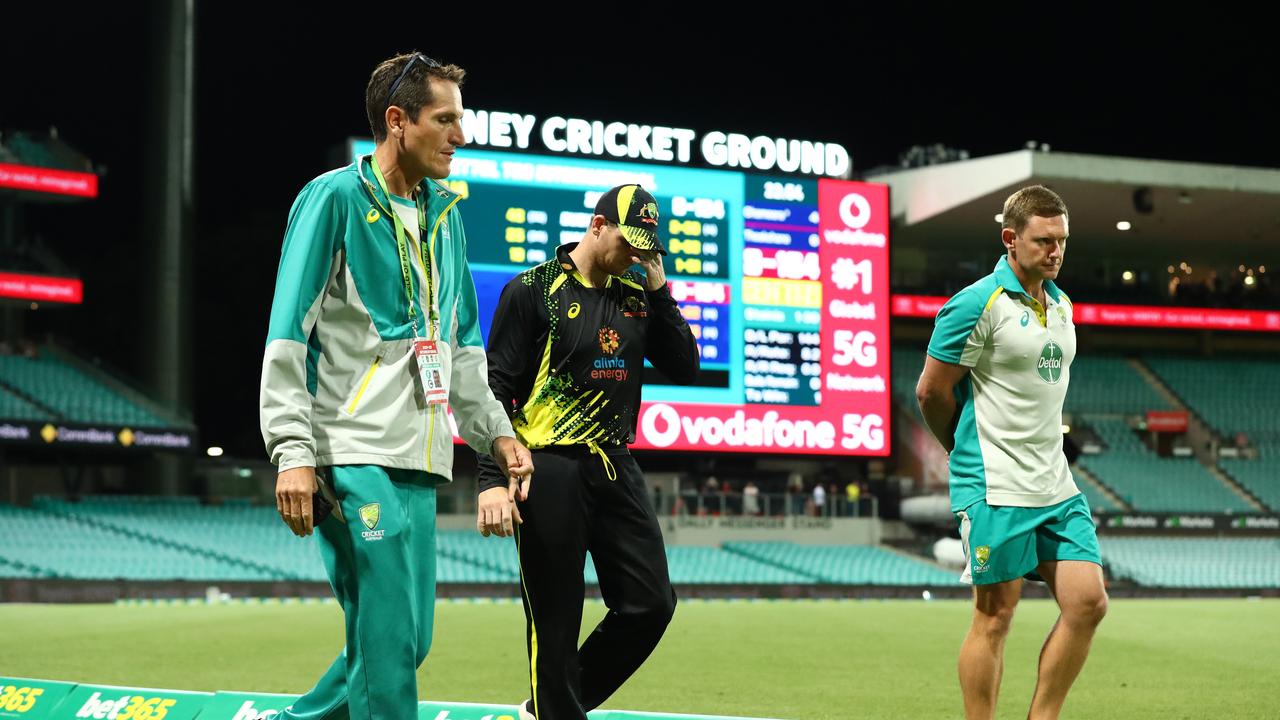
<point x="750" y="499"/>
<point x="852" y="494"/>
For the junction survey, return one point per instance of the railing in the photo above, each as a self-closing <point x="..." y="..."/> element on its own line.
<point x="738" y="504"/>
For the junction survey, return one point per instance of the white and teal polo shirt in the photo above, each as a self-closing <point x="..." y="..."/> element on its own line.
<point x="1008" y="443"/>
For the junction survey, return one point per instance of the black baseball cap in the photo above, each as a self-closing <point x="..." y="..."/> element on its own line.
<point x="635" y="211"/>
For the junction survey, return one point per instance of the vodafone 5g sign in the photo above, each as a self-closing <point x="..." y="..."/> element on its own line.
<point x="837" y="399"/>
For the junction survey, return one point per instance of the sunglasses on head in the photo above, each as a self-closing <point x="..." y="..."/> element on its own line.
<point x="417" y="58"/>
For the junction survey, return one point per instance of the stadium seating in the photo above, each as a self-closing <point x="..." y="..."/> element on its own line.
<point x="7" y="155"/>
<point x="1230" y="395"/>
<point x="143" y="537"/>
<point x="1097" y="501"/>
<point x="13" y="407"/>
<point x="50" y="545"/>
<point x="713" y="565"/>
<point x="1194" y="563"/>
<point x="907" y="366"/>
<point x="73" y="394"/>
<point x="845" y="564"/>
<point x="40" y="152"/>
<point x="139" y="538"/>
<point x="1102" y="384"/>
<point x="1260" y="476"/>
<point x="1234" y="396"/>
<point x="251" y="536"/>
<point x="1156" y="484"/>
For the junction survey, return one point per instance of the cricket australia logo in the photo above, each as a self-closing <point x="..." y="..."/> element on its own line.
<point x="1049" y="364"/>
<point x="981" y="555"/>
<point x="370" y="515"/>
<point x="633" y="307"/>
<point x="649" y="214"/>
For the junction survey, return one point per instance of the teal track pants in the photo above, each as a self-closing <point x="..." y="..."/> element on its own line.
<point x="382" y="565"/>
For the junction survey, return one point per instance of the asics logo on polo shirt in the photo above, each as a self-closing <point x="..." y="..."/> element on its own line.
<point x="372" y="216"/>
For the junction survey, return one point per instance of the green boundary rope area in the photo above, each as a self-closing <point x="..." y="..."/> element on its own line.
<point x="28" y="699"/>
<point x="156" y="602"/>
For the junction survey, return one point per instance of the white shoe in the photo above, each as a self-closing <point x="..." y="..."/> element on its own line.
<point x="525" y="710"/>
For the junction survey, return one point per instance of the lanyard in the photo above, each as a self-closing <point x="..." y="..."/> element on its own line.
<point x="406" y="265"/>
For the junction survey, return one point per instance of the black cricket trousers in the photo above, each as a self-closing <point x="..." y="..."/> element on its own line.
<point x="589" y="499"/>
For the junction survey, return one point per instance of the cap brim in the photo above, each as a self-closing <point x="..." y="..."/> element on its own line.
<point x="642" y="238"/>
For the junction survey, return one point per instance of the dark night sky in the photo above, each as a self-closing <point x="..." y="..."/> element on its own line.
<point x="275" y="94"/>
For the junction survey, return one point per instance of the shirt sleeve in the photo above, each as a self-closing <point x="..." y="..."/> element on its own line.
<point x="513" y="345"/>
<point x="308" y="261"/>
<point x="670" y="344"/>
<point x="961" y="329"/>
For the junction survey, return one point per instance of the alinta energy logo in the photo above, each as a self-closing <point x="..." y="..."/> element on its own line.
<point x="609" y="341"/>
<point x="1049" y="364"/>
<point x="609" y="367"/>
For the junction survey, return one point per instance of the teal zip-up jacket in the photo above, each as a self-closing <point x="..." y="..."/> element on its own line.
<point x="340" y="381"/>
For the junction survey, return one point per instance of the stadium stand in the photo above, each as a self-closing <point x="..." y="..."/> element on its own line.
<point x="49" y="152"/>
<point x="71" y="393"/>
<point x="1260" y="475"/>
<point x="907" y="366"/>
<point x="714" y="565"/>
<point x="1194" y="563"/>
<point x="13" y="407"/>
<point x="845" y="564"/>
<point x="1234" y="398"/>
<point x="1156" y="484"/>
<point x="45" y="544"/>
<point x="177" y="538"/>
<point x="1097" y="501"/>
<point x="1230" y="395"/>
<point x="148" y="537"/>
<point x="6" y="155"/>
<point x="1102" y="384"/>
<point x="248" y="536"/>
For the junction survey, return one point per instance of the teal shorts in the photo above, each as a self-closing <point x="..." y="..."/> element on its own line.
<point x="1003" y="542"/>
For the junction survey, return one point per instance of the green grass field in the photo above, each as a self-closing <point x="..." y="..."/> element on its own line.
<point x="1152" y="659"/>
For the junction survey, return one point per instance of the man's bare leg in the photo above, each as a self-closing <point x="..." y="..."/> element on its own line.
<point x="982" y="654"/>
<point x="1082" y="600"/>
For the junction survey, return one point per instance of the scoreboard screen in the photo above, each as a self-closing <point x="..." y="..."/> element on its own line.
<point x="784" y="281"/>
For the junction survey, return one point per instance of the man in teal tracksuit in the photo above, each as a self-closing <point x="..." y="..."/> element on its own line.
<point x="373" y="339"/>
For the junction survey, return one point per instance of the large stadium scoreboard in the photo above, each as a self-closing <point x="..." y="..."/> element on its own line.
<point x="783" y="280"/>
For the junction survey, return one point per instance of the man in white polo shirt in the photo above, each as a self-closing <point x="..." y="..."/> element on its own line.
<point x="992" y="391"/>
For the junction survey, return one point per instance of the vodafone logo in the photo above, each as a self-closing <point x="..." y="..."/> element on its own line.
<point x="855" y="214"/>
<point x="661" y="425"/>
<point x="665" y="426"/>
<point x="855" y="211"/>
